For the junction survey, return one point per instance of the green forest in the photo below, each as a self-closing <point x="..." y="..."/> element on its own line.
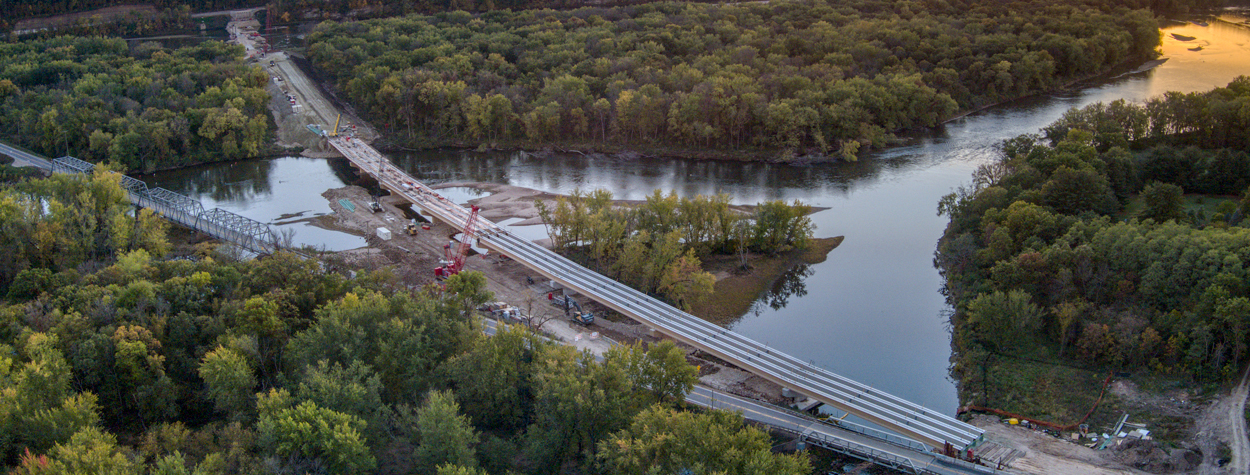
<point x="145" y="108"/>
<point x="330" y="9"/>
<point x="750" y="80"/>
<point x="131" y="23"/>
<point x="323" y="9"/>
<point x="657" y="245"/>
<point x="115" y="358"/>
<point x="19" y="9"/>
<point x="1114" y="240"/>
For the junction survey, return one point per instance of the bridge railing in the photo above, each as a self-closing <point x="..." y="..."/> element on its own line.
<point x="843" y="446"/>
<point x="218" y="223"/>
<point x="872" y="404"/>
<point x="812" y="380"/>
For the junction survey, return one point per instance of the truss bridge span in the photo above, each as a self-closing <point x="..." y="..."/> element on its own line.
<point x="218" y="223"/>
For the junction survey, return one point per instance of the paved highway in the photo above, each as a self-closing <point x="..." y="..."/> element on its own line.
<point x="25" y="159"/>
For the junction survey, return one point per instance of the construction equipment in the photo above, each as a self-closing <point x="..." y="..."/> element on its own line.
<point x="411" y="228"/>
<point x="375" y="205"/>
<point x="582" y="318"/>
<point x="578" y="316"/>
<point x="335" y="131"/>
<point x="455" y="261"/>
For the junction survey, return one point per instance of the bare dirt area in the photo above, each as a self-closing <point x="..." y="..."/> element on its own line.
<point x="297" y="101"/>
<point x="1203" y="437"/>
<point x="1221" y="433"/>
<point x="719" y="375"/>
<point x="413" y="258"/>
<point x="505" y="201"/>
<point x="1044" y="454"/>
<point x="1213" y="433"/>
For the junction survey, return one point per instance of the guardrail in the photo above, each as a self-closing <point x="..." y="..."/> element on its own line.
<point x="881" y="408"/>
<point x="857" y="450"/>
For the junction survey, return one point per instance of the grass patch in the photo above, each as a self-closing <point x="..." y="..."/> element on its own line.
<point x="1209" y="205"/>
<point x="734" y="293"/>
<point x="1038" y="388"/>
<point x="1057" y="394"/>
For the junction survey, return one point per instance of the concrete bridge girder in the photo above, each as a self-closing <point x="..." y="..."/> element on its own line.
<point x="873" y="405"/>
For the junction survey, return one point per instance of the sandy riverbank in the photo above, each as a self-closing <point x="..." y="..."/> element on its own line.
<point x="413" y="258"/>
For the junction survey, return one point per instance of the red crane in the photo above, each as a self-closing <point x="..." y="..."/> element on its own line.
<point x="455" y="262"/>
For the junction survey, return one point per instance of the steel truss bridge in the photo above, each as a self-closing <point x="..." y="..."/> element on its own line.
<point x="895" y="414"/>
<point x="218" y="223"/>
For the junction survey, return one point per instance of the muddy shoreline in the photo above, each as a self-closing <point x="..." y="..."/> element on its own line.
<point x="411" y="258"/>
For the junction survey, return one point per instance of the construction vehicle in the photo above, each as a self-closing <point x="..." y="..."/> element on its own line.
<point x="335" y="131"/>
<point x="454" y="262"/>
<point x="582" y="318"/>
<point x="375" y="205"/>
<point x="411" y="228"/>
<point x="578" y="316"/>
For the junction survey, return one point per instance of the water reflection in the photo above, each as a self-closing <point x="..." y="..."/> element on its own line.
<point x="282" y="192"/>
<point x="790" y="284"/>
<point x="244" y="181"/>
<point x="872" y="310"/>
<point x="745" y="182"/>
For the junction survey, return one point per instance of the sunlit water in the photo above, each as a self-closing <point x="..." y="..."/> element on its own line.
<point x="872" y="311"/>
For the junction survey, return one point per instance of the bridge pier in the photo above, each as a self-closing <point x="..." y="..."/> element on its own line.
<point x="888" y="411"/>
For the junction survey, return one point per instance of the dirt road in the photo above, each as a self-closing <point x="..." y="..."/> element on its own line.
<point x="1223" y="424"/>
<point x="311" y="107"/>
<point x="1239" y="443"/>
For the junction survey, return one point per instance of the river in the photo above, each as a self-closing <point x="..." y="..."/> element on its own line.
<point x="872" y="311"/>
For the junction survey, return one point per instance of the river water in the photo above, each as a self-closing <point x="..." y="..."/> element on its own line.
<point x="872" y="311"/>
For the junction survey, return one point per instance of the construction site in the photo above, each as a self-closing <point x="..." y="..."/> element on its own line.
<point x="421" y="247"/>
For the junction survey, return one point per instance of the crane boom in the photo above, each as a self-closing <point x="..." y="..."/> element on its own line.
<point x="455" y="262"/>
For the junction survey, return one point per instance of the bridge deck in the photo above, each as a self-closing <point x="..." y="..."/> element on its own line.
<point x="891" y="412"/>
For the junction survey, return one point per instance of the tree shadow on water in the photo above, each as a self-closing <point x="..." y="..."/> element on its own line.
<point x="790" y="284"/>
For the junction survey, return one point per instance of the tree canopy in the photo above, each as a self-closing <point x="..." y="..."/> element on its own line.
<point x="204" y="364"/>
<point x="656" y="245"/>
<point x="143" y="108"/>
<point x="798" y="77"/>
<point x="1080" y="246"/>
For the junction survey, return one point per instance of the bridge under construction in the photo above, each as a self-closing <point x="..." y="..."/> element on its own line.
<point x="903" y="417"/>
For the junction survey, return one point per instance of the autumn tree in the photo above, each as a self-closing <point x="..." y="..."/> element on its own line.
<point x="444" y="436"/>
<point x="670" y="441"/>
<point x="578" y="402"/>
<point x="685" y="282"/>
<point x="660" y="371"/>
<point x="493" y="381"/>
<point x="230" y="381"/>
<point x="1163" y="202"/>
<point x="303" y="433"/>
